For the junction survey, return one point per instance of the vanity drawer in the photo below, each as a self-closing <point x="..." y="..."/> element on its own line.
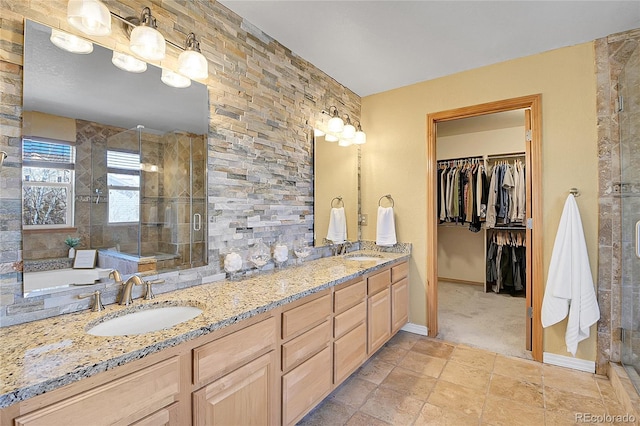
<point x="305" y="316"/>
<point x="349" y="319"/>
<point x="379" y="281"/>
<point x="305" y="345"/>
<point x="399" y="272"/>
<point x="224" y="354"/>
<point x="348" y="296"/>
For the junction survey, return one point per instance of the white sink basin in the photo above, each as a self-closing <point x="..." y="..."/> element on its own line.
<point x="145" y="321"/>
<point x="364" y="258"/>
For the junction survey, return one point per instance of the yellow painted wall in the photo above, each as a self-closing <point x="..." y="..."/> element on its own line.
<point x="394" y="158"/>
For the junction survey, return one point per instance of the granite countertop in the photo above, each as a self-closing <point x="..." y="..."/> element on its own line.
<point x="41" y="356"/>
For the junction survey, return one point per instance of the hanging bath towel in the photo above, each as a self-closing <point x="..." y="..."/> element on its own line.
<point x="569" y="287"/>
<point x="337" y="226"/>
<point x="386" y="230"/>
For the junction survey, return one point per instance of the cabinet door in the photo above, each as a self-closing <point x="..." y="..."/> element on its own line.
<point x="399" y="304"/>
<point x="167" y="416"/>
<point x="245" y="396"/>
<point x="379" y="320"/>
<point x="348" y="352"/>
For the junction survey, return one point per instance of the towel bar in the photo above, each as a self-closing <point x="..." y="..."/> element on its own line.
<point x="339" y="198"/>
<point x="388" y="197"/>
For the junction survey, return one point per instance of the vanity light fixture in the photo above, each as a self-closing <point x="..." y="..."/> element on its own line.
<point x="174" y="79"/>
<point x="349" y="134"/>
<point x="335" y="124"/>
<point x="192" y="63"/>
<point x="360" y="137"/>
<point x="349" y="131"/>
<point x="89" y="16"/>
<point x="146" y="41"/>
<point x="70" y="43"/>
<point x="128" y="63"/>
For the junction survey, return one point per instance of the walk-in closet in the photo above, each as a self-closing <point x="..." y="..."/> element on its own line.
<point x="481" y="208"/>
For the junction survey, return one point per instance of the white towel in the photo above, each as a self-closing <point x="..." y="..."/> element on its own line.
<point x="386" y="230"/>
<point x="337" y="225"/>
<point x="570" y="283"/>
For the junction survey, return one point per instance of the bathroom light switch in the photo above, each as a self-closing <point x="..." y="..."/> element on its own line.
<point x="364" y="219"/>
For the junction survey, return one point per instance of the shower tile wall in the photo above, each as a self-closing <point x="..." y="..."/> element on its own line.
<point x="263" y="100"/>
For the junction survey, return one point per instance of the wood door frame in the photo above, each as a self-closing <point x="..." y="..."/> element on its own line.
<point x="534" y="103"/>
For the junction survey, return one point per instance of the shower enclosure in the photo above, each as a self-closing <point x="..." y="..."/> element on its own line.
<point x="149" y="208"/>
<point x="629" y="122"/>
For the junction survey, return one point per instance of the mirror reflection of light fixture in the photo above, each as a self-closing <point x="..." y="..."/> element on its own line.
<point x="191" y="62"/>
<point x="174" y="79"/>
<point x="89" y="16"/>
<point x="128" y="63"/>
<point x="330" y="138"/>
<point x="146" y="41"/>
<point x="335" y="124"/>
<point x="70" y="43"/>
<point x="345" y="142"/>
<point x="317" y="133"/>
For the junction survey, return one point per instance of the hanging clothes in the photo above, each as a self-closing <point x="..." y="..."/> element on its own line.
<point x="506" y="262"/>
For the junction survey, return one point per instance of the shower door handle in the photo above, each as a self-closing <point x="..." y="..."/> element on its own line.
<point x="638" y="238"/>
<point x="197" y="222"/>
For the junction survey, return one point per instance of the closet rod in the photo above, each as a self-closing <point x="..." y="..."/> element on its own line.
<point x="473" y="157"/>
<point x="509" y="155"/>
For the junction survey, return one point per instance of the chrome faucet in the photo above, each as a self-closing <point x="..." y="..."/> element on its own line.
<point x="127" y="286"/>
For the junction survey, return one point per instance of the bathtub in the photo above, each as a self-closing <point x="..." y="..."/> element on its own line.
<point x="61" y="278"/>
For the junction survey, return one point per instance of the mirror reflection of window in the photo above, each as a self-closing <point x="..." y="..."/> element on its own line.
<point x="47" y="184"/>
<point x="123" y="181"/>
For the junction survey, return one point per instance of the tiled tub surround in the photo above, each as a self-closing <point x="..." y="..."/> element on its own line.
<point x="41" y="356"/>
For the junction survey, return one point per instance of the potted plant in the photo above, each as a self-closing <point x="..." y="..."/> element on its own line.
<point x="72" y="242"/>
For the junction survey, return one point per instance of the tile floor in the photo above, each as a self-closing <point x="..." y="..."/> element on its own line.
<point x="416" y="380"/>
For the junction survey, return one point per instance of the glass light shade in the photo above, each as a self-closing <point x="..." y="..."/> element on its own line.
<point x="317" y="133"/>
<point x="345" y="142"/>
<point x="193" y="65"/>
<point x="70" y="43"/>
<point x="128" y="63"/>
<point x="360" y="138"/>
<point x="335" y="125"/>
<point x="89" y="16"/>
<point x="174" y="79"/>
<point x="330" y="138"/>
<point x="147" y="43"/>
<point x="348" y="132"/>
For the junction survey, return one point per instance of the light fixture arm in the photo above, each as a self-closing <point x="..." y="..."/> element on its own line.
<point x="146" y="19"/>
<point x="191" y="43"/>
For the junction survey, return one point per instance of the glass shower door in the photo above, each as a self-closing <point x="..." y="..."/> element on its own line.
<point x="629" y="121"/>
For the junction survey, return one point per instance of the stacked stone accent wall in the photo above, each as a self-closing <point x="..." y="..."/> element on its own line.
<point x="263" y="100"/>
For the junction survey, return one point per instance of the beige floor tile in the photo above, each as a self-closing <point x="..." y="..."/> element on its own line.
<point x="474" y="357"/>
<point x="450" y="396"/>
<point x="374" y="371"/>
<point x="353" y="392"/>
<point x="505" y="412"/>
<point x="466" y="375"/>
<point x="555" y="417"/>
<point x="409" y="383"/>
<point x="570" y="380"/>
<point x="328" y="413"/>
<point x="557" y="399"/>
<point x="524" y="369"/>
<point x="423" y="364"/>
<point x="516" y="388"/>
<point x="404" y="340"/>
<point x="362" y="419"/>
<point x="392" y="407"/>
<point x="432" y="415"/>
<point x="434" y="348"/>
<point x="391" y="354"/>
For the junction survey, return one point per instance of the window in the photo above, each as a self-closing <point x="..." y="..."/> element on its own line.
<point x="123" y="182"/>
<point x="47" y="184"/>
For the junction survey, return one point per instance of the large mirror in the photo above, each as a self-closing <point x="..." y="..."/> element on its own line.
<point x="336" y="187"/>
<point x="113" y="160"/>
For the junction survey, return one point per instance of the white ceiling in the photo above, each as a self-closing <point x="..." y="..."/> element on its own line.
<point x="374" y="46"/>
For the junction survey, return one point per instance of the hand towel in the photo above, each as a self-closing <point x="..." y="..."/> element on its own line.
<point x="569" y="287"/>
<point x="337" y="225"/>
<point x="386" y="229"/>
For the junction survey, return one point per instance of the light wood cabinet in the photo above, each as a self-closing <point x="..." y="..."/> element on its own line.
<point x="399" y="304"/>
<point x="379" y="320"/>
<point x="349" y="352"/>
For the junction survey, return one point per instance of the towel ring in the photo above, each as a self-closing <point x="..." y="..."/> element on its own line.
<point x="339" y="199"/>
<point x="388" y="197"/>
<point x="574" y="192"/>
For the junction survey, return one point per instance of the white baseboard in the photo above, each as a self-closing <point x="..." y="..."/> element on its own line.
<point x="416" y="329"/>
<point x="569" y="362"/>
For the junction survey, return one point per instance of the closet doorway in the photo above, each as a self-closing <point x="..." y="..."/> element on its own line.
<point x="530" y="227"/>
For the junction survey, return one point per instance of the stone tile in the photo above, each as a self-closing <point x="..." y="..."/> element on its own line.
<point x="505" y="412"/>
<point x="404" y="340"/>
<point x="409" y="383"/>
<point x="423" y="364"/>
<point x="516" y="388"/>
<point x="391" y="354"/>
<point x="457" y="398"/>
<point x="466" y="375"/>
<point x="530" y="371"/>
<point x="392" y="407"/>
<point x="570" y="380"/>
<point x="556" y="399"/>
<point x="474" y="357"/>
<point x="327" y="413"/>
<point x="434" y="348"/>
<point x="558" y="417"/>
<point x="432" y="415"/>
<point x="374" y="371"/>
<point x="362" y="419"/>
<point x="353" y="392"/>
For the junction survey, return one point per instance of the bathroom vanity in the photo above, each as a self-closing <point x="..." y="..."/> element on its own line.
<point x="265" y="350"/>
